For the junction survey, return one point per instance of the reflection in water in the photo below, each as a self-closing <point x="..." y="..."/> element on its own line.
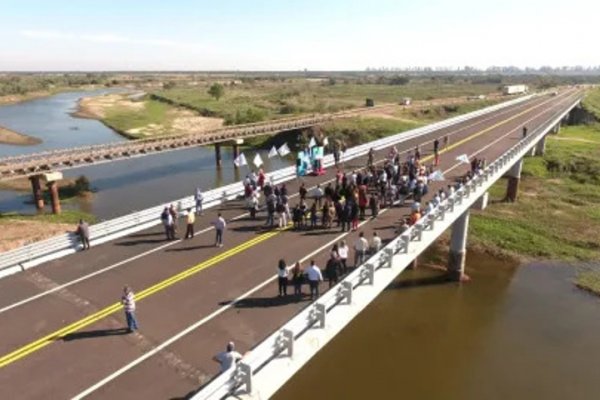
<point x="122" y="186"/>
<point x="512" y="333"/>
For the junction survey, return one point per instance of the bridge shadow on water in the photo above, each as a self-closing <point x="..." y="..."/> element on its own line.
<point x="95" y="334"/>
<point x="417" y="282"/>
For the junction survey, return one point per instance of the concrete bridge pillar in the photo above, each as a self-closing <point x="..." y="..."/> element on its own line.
<point x="540" y="147"/>
<point x="218" y="154"/>
<point x="458" y="248"/>
<point x="54" y="198"/>
<point x="514" y="177"/>
<point x="52" y="179"/>
<point x="36" y="188"/>
<point x="236" y="149"/>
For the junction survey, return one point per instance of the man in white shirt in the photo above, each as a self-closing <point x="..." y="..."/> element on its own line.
<point x="375" y="243"/>
<point x="343" y="253"/>
<point x="360" y="250"/>
<point x="227" y="359"/>
<point x="220" y="225"/>
<point x="314" y="276"/>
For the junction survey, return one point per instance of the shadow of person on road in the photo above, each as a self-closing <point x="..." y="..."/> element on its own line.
<point x="264" y="302"/>
<point x="95" y="334"/>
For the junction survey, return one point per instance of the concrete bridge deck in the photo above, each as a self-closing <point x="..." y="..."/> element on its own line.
<point x="58" y="343"/>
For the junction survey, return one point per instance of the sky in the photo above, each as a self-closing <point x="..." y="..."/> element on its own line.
<point x="94" y="35"/>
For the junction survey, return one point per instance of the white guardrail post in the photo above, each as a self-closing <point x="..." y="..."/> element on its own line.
<point x="266" y="369"/>
<point x="39" y="252"/>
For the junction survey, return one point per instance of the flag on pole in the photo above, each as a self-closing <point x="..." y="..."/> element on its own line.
<point x="436" y="176"/>
<point x="325" y="142"/>
<point x="284" y="150"/>
<point x="272" y="152"/>
<point x="463" y="158"/>
<point x="257" y="160"/>
<point x="240" y="160"/>
<point x="312" y="143"/>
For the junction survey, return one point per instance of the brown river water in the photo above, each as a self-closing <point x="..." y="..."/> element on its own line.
<point x="511" y="333"/>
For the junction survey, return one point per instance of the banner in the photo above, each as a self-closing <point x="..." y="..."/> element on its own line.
<point x="284" y="150"/>
<point x="272" y="152"/>
<point x="257" y="160"/>
<point x="463" y="158"/>
<point x="436" y="176"/>
<point x="240" y="160"/>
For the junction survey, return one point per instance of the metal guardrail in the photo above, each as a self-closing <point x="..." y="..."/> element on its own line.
<point x="39" y="252"/>
<point x="263" y="371"/>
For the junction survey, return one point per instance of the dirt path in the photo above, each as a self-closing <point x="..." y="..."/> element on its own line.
<point x="17" y="233"/>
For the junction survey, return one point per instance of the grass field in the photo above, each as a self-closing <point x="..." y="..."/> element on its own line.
<point x="557" y="215"/>
<point x="260" y="100"/>
<point x="155" y="116"/>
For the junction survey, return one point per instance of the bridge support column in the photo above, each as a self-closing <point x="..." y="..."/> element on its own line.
<point x="36" y="188"/>
<point x="458" y="248"/>
<point x="218" y="154"/>
<point x="54" y="198"/>
<point x="540" y="147"/>
<point x="236" y="149"/>
<point x="514" y="177"/>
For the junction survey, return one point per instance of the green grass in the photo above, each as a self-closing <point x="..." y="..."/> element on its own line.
<point x="154" y="112"/>
<point x="356" y="130"/>
<point x="557" y="213"/>
<point x="299" y="96"/>
<point x="66" y="217"/>
<point x="591" y="102"/>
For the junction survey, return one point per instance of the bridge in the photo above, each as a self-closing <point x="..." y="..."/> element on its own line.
<point x="62" y="331"/>
<point x="43" y="166"/>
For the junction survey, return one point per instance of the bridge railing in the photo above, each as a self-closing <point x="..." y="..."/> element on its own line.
<point x="42" y="251"/>
<point x="273" y="361"/>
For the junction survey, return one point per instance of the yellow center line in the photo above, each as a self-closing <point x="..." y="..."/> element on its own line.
<point x="90" y="319"/>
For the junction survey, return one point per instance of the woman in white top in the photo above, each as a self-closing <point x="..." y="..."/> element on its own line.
<point x="342" y="251"/>
<point x="282" y="278"/>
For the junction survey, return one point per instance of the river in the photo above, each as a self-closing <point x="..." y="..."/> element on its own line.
<point x="512" y="333"/>
<point x="122" y="186"/>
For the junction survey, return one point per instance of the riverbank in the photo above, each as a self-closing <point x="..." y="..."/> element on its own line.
<point x="8" y="136"/>
<point x="136" y="116"/>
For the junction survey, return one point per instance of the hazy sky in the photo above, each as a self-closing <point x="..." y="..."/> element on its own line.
<point x="293" y="35"/>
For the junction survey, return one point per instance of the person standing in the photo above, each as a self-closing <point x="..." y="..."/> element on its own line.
<point x="128" y="301"/>
<point x="375" y="243"/>
<point x="282" y="278"/>
<point x="174" y="217"/>
<point x="83" y="230"/>
<point x="314" y="278"/>
<point x="360" y="249"/>
<point x="229" y="358"/>
<point x="220" y="225"/>
<point x="343" y="254"/>
<point x="199" y="197"/>
<point x="332" y="269"/>
<point x="302" y="191"/>
<point x="190" y="219"/>
<point x="297" y="279"/>
<point x="167" y="221"/>
<point x="524" y="132"/>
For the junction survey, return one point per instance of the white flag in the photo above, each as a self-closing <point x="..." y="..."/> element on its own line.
<point x="463" y="158"/>
<point x="284" y="150"/>
<point x="325" y="142"/>
<point x="272" y="152"/>
<point x="257" y="160"/>
<point x="240" y="160"/>
<point x="312" y="143"/>
<point x="436" y="176"/>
